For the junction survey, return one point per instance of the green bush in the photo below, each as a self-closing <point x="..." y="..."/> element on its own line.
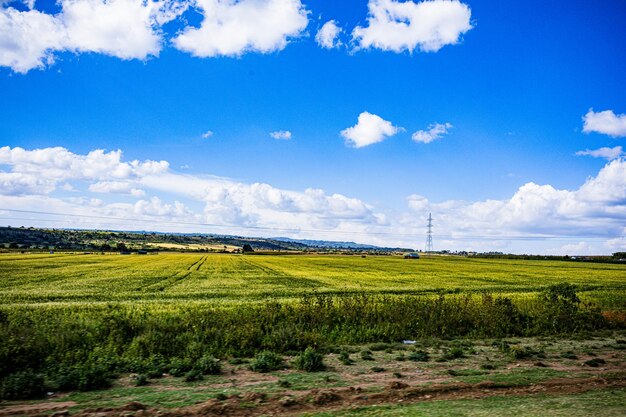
<point x="309" y="361"/>
<point x="84" y="377"/>
<point x="23" y="385"/>
<point x="366" y="355"/>
<point x="267" y="361"/>
<point x="344" y="357"/>
<point x="193" y="375"/>
<point x="419" y="356"/>
<point x="140" y="380"/>
<point x="209" y="365"/>
<point x="180" y="366"/>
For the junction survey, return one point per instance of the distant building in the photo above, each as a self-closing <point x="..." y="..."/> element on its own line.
<point x="412" y="255"/>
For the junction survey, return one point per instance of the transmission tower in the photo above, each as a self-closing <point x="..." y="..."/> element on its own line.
<point x="429" y="234"/>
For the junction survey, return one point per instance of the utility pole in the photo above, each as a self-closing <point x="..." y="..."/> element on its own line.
<point x="429" y="234"/>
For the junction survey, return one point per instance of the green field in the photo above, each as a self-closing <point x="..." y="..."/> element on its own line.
<point x="168" y="277"/>
<point x="81" y="321"/>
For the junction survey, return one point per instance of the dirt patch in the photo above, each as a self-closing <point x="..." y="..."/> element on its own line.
<point x="39" y="408"/>
<point x="337" y="399"/>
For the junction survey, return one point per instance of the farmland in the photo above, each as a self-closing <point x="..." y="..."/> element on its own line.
<point x="217" y="278"/>
<point x="82" y="322"/>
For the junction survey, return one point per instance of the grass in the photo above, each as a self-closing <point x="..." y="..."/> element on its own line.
<point x="605" y="403"/>
<point x="169" y="277"/>
<point x="236" y="379"/>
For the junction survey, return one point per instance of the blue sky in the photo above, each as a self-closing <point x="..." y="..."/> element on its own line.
<point x="508" y="84"/>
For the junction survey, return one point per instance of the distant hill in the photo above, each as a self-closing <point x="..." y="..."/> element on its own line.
<point x="109" y="240"/>
<point x="328" y="244"/>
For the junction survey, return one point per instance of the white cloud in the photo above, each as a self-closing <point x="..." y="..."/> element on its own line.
<point x="207" y="134"/>
<point x="232" y="28"/>
<point x="580" y="248"/>
<point x="28" y="39"/>
<point x="39" y="170"/>
<point x="405" y="26"/>
<point x="281" y="134"/>
<point x="369" y="129"/>
<point x="597" y="209"/>
<point x="118" y="187"/>
<point x="327" y="36"/>
<point x="605" y="122"/>
<point x="127" y="29"/>
<point x="434" y="131"/>
<point x="607" y="153"/>
<point x="537" y="218"/>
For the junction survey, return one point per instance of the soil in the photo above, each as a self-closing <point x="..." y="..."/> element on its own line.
<point x="316" y="400"/>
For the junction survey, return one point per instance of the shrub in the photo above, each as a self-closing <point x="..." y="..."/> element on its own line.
<point x="193" y="375"/>
<point x="377" y="347"/>
<point x="180" y="366"/>
<point x="366" y="355"/>
<point x="309" y="361"/>
<point x="595" y="362"/>
<point x="83" y="377"/>
<point x="419" y="356"/>
<point x="267" y="361"/>
<point x="569" y="355"/>
<point x="454" y="353"/>
<point x="525" y="352"/>
<point x="23" y="385"/>
<point x="209" y="365"/>
<point x="344" y="357"/>
<point x="140" y="380"/>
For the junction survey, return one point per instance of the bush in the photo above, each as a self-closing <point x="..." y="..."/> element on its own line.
<point x="526" y="352"/>
<point x="83" y="377"/>
<point x="419" y="356"/>
<point x="366" y="355"/>
<point x="179" y="367"/>
<point x="22" y="386"/>
<point x="193" y="375"/>
<point x="209" y="365"/>
<point x="140" y="380"/>
<point x="344" y="357"/>
<point x="595" y="362"/>
<point x="267" y="361"/>
<point x="309" y="361"/>
<point x="454" y="353"/>
<point x="377" y="347"/>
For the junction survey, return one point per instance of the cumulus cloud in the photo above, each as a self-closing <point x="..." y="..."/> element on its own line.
<point x="327" y="36"/>
<point x="535" y="218"/>
<point x="28" y="39"/>
<point x="232" y="28"/>
<point x="434" y="131"/>
<point x="605" y="122"/>
<point x="49" y="166"/>
<point x="126" y="29"/>
<point x="405" y="26"/>
<point x="35" y="175"/>
<point x="281" y="134"/>
<point x="597" y="209"/>
<point x="606" y="153"/>
<point x="207" y="134"/>
<point x="369" y="129"/>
